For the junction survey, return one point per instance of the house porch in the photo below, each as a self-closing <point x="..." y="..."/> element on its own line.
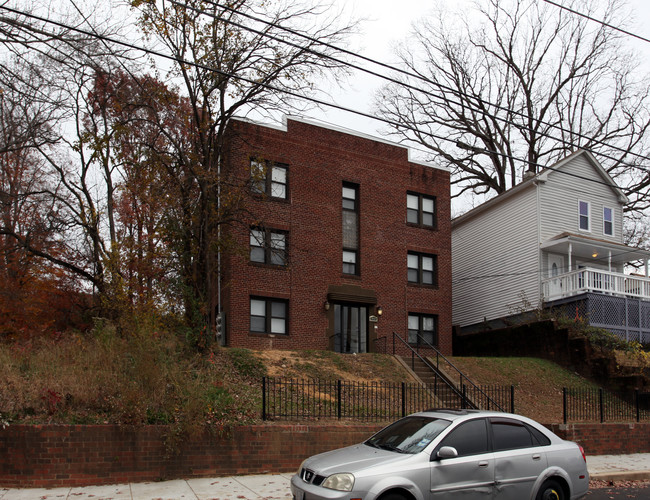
<point x="626" y="316"/>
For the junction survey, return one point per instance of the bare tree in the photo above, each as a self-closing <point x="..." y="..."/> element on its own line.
<point x="518" y="84"/>
<point x="233" y="58"/>
<point x="46" y="74"/>
<point x="242" y="57"/>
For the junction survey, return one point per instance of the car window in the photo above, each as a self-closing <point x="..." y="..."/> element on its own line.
<point x="539" y="439"/>
<point x="510" y="435"/>
<point x="469" y="438"/>
<point x="409" y="435"/>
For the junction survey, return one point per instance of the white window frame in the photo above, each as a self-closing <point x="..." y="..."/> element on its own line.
<point x="588" y="230"/>
<point x="611" y="221"/>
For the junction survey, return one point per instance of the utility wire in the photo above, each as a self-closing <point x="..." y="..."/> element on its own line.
<point x="175" y="59"/>
<point x="470" y="105"/>
<point x="274" y="88"/>
<point x="581" y="14"/>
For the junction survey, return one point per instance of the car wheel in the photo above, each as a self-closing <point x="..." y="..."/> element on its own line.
<point x="550" y="490"/>
<point x="393" y="496"/>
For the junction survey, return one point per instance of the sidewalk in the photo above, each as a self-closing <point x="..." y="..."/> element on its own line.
<point x="619" y="467"/>
<point x="273" y="486"/>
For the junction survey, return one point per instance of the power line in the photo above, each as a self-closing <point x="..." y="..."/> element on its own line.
<point x="175" y="59"/>
<point x="541" y="272"/>
<point x="470" y="105"/>
<point x="272" y="87"/>
<point x="581" y="14"/>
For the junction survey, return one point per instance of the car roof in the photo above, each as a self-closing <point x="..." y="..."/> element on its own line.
<point x="454" y="414"/>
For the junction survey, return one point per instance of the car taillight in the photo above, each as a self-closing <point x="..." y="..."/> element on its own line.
<point x="582" y="450"/>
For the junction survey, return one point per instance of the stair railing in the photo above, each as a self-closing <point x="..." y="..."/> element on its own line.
<point x="465" y="402"/>
<point x="464" y="380"/>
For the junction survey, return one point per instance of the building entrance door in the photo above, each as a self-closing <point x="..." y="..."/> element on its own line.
<point x="555" y="268"/>
<point x="350" y="328"/>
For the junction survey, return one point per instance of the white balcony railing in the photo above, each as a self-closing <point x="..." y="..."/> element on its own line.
<point x="595" y="280"/>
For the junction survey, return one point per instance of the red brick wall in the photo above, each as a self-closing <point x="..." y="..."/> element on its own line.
<point x="57" y="455"/>
<point x="319" y="160"/>
<point x="607" y="439"/>
<point x="76" y="455"/>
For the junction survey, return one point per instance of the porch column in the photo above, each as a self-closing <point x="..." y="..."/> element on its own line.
<point x="609" y="262"/>
<point x="570" y="252"/>
<point x="645" y="265"/>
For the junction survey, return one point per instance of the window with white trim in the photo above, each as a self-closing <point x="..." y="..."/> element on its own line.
<point x="584" y="210"/>
<point x="608" y="221"/>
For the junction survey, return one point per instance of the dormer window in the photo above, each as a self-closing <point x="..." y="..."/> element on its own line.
<point x="584" y="212"/>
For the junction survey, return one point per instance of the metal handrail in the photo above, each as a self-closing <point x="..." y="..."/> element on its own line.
<point x="437" y="367"/>
<point x="454" y="389"/>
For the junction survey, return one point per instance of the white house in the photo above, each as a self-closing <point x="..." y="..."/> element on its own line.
<point x="555" y="240"/>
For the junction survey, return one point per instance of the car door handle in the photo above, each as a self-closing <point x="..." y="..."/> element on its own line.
<point x="484" y="463"/>
<point x="537" y="456"/>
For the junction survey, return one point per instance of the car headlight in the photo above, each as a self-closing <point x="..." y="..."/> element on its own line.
<point x="340" y="482"/>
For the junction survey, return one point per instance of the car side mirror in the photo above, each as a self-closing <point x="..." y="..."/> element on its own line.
<point x="447" y="452"/>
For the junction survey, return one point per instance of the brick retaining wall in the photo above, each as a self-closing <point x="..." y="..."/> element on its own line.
<point x="607" y="439"/>
<point x="78" y="455"/>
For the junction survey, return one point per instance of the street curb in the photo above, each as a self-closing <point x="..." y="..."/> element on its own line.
<point x="636" y="475"/>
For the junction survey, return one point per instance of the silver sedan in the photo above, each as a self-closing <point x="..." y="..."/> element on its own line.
<point x="449" y="454"/>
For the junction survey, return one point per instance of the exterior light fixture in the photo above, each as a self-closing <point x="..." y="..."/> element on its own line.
<point x="326" y="305"/>
<point x="594" y="255"/>
<point x="380" y="311"/>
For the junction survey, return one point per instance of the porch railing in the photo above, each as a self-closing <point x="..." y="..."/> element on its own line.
<point x="595" y="280"/>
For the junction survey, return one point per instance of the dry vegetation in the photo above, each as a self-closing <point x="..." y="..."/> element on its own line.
<point x="538" y="383"/>
<point x="145" y="379"/>
<point x="330" y="365"/>
<point x="157" y="379"/>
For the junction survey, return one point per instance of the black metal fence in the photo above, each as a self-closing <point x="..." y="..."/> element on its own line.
<point x="598" y="405"/>
<point x="375" y="401"/>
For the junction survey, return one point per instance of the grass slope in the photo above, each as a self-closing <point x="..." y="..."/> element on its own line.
<point x="538" y="382"/>
<point x="157" y="379"/>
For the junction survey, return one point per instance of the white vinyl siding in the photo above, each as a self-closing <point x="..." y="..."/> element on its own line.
<point x="496" y="258"/>
<point x="495" y="261"/>
<point x="560" y="196"/>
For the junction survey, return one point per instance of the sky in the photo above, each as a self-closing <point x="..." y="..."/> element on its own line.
<point x="385" y="25"/>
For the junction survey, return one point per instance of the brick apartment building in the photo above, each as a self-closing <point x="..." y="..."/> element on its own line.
<point x="348" y="242"/>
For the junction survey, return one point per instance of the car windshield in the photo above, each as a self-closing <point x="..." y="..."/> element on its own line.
<point x="408" y="435"/>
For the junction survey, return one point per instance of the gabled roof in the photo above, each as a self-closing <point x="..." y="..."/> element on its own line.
<point x="605" y="177"/>
<point x="542" y="177"/>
